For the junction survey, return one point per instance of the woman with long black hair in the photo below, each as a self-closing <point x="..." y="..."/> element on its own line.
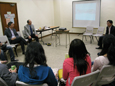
<point x="107" y="55"/>
<point x="78" y="63"/>
<point x="35" y="70"/>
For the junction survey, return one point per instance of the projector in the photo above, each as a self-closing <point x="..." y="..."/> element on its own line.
<point x="62" y="29"/>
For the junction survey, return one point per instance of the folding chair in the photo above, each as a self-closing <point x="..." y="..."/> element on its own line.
<point x="106" y="76"/>
<point x="2" y="82"/>
<point x="99" y="33"/>
<point x="85" y="80"/>
<point x="88" y="32"/>
<point x="4" y="39"/>
<point x="19" y="83"/>
<point x="21" y="35"/>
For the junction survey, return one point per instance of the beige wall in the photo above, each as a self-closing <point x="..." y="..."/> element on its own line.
<point x="56" y="12"/>
<point x="63" y="13"/>
<point x="41" y="12"/>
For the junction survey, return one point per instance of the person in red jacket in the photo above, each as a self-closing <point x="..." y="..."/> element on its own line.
<point x="78" y="63"/>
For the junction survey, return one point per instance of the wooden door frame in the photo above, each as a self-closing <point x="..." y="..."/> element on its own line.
<point x="16" y="11"/>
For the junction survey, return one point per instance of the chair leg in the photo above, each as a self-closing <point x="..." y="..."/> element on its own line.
<point x="90" y="39"/>
<point x="82" y="37"/>
<point x="16" y="51"/>
<point x="85" y="38"/>
<point x="96" y="38"/>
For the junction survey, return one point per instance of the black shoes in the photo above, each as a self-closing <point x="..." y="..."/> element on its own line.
<point x="15" y="60"/>
<point x="23" y="53"/>
<point x="99" y="48"/>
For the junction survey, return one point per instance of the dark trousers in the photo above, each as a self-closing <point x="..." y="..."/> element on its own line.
<point x="3" y="55"/>
<point x="33" y="36"/>
<point x="100" y="41"/>
<point x="21" y="41"/>
<point x="17" y="64"/>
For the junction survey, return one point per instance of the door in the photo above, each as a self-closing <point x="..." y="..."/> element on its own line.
<point x="8" y="8"/>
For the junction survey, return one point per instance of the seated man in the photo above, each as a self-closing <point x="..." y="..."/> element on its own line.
<point x="30" y="31"/>
<point x="109" y="30"/>
<point x="9" y="76"/>
<point x="14" y="37"/>
<point x="3" y="49"/>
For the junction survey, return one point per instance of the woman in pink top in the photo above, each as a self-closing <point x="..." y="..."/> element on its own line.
<point x="79" y="62"/>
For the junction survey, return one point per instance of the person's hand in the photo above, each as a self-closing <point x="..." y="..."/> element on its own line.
<point x="105" y="55"/>
<point x="0" y="51"/>
<point x="29" y="37"/>
<point x="13" y="38"/>
<point x="13" y="71"/>
<point x="4" y="62"/>
<point x="36" y="35"/>
<point x="0" y="44"/>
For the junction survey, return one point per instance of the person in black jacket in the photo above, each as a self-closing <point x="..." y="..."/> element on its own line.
<point x="13" y="36"/>
<point x="110" y="29"/>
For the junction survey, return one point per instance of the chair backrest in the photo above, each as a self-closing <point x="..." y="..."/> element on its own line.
<point x="2" y="82"/>
<point x="100" y="30"/>
<point x="3" y="39"/>
<point x="19" y="83"/>
<point x="107" y="71"/>
<point x="85" y="80"/>
<point x="89" y="29"/>
<point x="19" y="33"/>
<point x="23" y="33"/>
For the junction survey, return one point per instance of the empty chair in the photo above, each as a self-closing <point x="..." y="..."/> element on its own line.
<point x="88" y="32"/>
<point x="2" y="82"/>
<point x="4" y="39"/>
<point x="85" y="80"/>
<point x="106" y="76"/>
<point x="19" y="83"/>
<point x="99" y="33"/>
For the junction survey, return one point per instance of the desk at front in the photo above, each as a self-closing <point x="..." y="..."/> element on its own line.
<point x="62" y="32"/>
<point x="50" y="28"/>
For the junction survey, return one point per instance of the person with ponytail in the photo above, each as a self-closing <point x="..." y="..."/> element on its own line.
<point x="107" y="55"/>
<point x="35" y="70"/>
<point x="78" y="63"/>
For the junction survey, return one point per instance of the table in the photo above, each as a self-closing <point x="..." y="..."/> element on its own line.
<point x="50" y="28"/>
<point x="61" y="32"/>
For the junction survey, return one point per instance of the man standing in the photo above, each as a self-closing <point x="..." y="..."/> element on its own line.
<point x="109" y="30"/>
<point x="30" y="31"/>
<point x="3" y="49"/>
<point x="14" y="37"/>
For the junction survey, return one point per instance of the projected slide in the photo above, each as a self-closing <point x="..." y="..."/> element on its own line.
<point x="85" y="11"/>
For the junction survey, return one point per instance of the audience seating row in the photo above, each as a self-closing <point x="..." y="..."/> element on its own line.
<point x="98" y="78"/>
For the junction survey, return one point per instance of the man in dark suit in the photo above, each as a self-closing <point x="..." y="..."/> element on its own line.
<point x="13" y="36"/>
<point x="109" y="30"/>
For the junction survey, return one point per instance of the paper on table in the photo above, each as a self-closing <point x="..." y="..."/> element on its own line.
<point x="47" y="28"/>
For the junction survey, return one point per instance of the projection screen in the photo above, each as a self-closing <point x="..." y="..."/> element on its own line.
<point x="86" y="13"/>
